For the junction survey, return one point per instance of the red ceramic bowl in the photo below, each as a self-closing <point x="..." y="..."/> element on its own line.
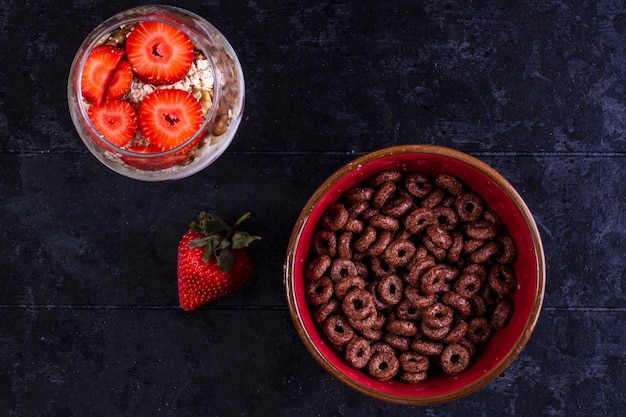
<point x="505" y="345"/>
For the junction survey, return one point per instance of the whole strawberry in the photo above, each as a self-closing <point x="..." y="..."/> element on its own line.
<point x="213" y="260"/>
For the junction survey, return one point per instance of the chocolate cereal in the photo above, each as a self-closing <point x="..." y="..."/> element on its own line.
<point x="409" y="275"/>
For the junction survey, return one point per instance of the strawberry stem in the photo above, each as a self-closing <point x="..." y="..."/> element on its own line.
<point x="238" y="223"/>
<point x="219" y="239"/>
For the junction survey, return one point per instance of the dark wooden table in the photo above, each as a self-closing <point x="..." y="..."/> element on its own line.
<point x="90" y="323"/>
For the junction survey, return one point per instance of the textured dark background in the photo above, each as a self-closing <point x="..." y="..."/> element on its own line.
<point x="89" y="316"/>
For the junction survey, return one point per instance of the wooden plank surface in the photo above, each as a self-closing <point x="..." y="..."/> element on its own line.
<point x="90" y="319"/>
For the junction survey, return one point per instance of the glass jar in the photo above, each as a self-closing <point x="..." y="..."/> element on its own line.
<point x="223" y="114"/>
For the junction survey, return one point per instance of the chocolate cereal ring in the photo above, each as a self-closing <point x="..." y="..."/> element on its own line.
<point x="378" y="303"/>
<point x="418" y="185"/>
<point x="482" y="254"/>
<point x="438" y="252"/>
<point x="383" y="194"/>
<point x="434" y="333"/>
<point x="337" y="330"/>
<point x="383" y="366"/>
<point x="418" y="298"/>
<point x="358" y="352"/>
<point x="367" y="214"/>
<point x="340" y="268"/>
<point x="433" y="199"/>
<point x="382" y="347"/>
<point x="438" y="315"/>
<point x="480" y="229"/>
<point x="342" y="286"/>
<point x="454" y="252"/>
<point x="390" y="289"/>
<point x="479" y="308"/>
<point x="436" y="279"/>
<point x="368" y="322"/>
<point x="354" y="225"/>
<point x="335" y="218"/>
<point x="420" y="253"/>
<point x="357" y="304"/>
<point x="326" y="310"/>
<point x="406" y="310"/>
<point x="413" y="362"/>
<point x="455" y="358"/>
<point x="382" y="221"/>
<point x="319" y="291"/>
<point x="448" y="201"/>
<point x="372" y="334"/>
<point x="439" y="236"/>
<point x="446" y="218"/>
<point x="502" y="279"/>
<point x="450" y="183"/>
<point x="493" y="217"/>
<point x="398" y="206"/>
<point x="380" y="321"/>
<point x="489" y="296"/>
<point x="427" y="347"/>
<point x="501" y="314"/>
<point x="469" y="206"/>
<point x="477" y="269"/>
<point x="344" y="245"/>
<point x="417" y="268"/>
<point x="380" y="267"/>
<point x="317" y="267"/>
<point x="382" y="177"/>
<point x="367" y="238"/>
<point x="401" y="343"/>
<point x="507" y="250"/>
<point x="457" y="331"/>
<point x="325" y="243"/>
<point x="419" y="219"/>
<point x="405" y="328"/>
<point x="472" y="245"/>
<point x="479" y="330"/>
<point x="357" y="208"/>
<point x="467" y="285"/>
<point x="361" y="269"/>
<point x="399" y="253"/>
<point x="382" y="241"/>
<point x="458" y="303"/>
<point x="413" y="377"/>
<point x="359" y="195"/>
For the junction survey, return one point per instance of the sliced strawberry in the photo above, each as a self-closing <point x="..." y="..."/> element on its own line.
<point x="116" y="120"/>
<point x="154" y="163"/>
<point x="169" y="117"/>
<point x="159" y="53"/>
<point x="120" y="81"/>
<point x="98" y="70"/>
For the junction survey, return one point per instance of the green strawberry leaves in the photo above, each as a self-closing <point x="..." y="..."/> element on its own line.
<point x="243" y="239"/>
<point x="219" y="239"/>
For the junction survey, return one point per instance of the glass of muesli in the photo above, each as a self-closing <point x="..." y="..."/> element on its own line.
<point x="156" y="93"/>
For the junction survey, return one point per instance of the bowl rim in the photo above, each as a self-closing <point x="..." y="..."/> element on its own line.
<point x="445" y="152"/>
